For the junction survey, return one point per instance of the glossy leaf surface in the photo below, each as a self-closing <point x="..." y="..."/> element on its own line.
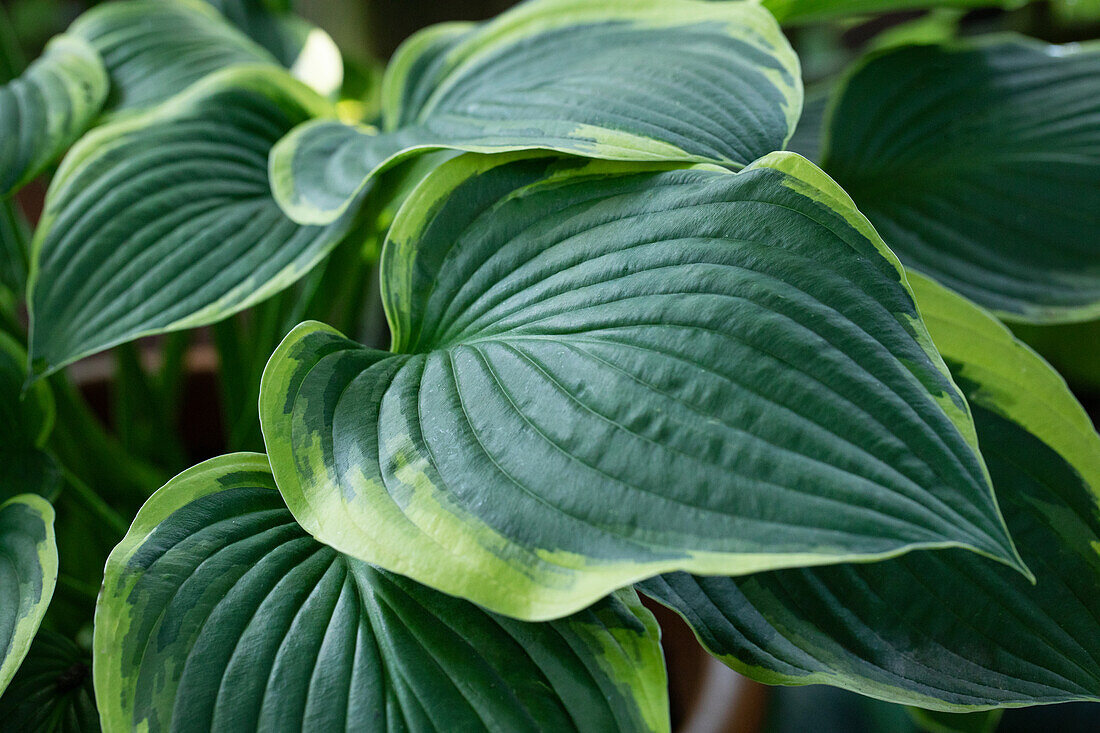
<point x="211" y="240"/>
<point x="606" y="371"/>
<point x="220" y="613"/>
<point x="980" y="165"/>
<point x="945" y="629"/>
<point x="155" y="49"/>
<point x="683" y="80"/>
<point x="47" y="107"/>
<point x="28" y="573"/>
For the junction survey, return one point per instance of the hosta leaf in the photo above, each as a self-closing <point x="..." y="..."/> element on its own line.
<point x="28" y="572"/>
<point x="211" y="240"/>
<point x="944" y="629"/>
<point x="14" y="236"/>
<point x="605" y="371"/>
<point x="980" y="165"/>
<point x="27" y="420"/>
<point x="46" y="108"/>
<point x="220" y="613"/>
<point x="155" y="49"/>
<point x="52" y="693"/>
<point x="683" y="80"/>
<point x="309" y="52"/>
<point x="805" y="11"/>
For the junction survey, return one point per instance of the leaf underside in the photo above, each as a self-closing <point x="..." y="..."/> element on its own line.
<point x="52" y="693"/>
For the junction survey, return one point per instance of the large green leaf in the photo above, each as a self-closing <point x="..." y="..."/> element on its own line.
<point x="943" y="629"/>
<point x="27" y="419"/>
<point x="300" y="46"/>
<point x="980" y="165"/>
<point x="604" y="371"/>
<point x="52" y="692"/>
<point x="28" y="572"/>
<point x="165" y="220"/>
<point x="219" y="613"/>
<point x="47" y="107"/>
<point x="682" y="80"/>
<point x="154" y="49"/>
<point x="794" y="12"/>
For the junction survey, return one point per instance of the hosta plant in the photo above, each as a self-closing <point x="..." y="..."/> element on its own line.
<point x="636" y="347"/>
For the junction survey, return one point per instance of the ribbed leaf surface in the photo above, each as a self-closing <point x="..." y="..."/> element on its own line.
<point x="605" y="371"/>
<point x="46" y="108"/>
<point x="52" y="692"/>
<point x="165" y="220"/>
<point x="945" y="629"/>
<point x="28" y="573"/>
<point x="683" y="80"/>
<point x="980" y="165"/>
<point x="219" y="613"/>
<point x="155" y="49"/>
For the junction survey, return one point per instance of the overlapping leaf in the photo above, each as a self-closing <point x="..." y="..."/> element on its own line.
<point x="46" y="108"/>
<point x="52" y="692"/>
<point x="605" y="371"/>
<point x="980" y="165"/>
<point x="680" y="80"/>
<point x="309" y="52"/>
<point x="154" y="49"/>
<point x="945" y="629"/>
<point x="220" y="613"/>
<point x="28" y="572"/>
<point x="165" y="220"/>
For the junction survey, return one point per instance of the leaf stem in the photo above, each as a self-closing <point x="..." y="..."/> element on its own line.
<point x="92" y="501"/>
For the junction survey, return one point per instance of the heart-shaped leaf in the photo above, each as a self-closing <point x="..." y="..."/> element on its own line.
<point x="604" y="371"/>
<point x="684" y="80"/>
<point x="52" y="692"/>
<point x="945" y="629"/>
<point x="154" y="49"/>
<point x="211" y="240"/>
<point x="220" y="613"/>
<point x="979" y="163"/>
<point x="28" y="573"/>
<point x="46" y="108"/>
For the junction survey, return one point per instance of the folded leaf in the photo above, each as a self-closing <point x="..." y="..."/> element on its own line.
<point x="211" y="240"/>
<point x="154" y="49"/>
<point x="52" y="692"/>
<point x="945" y="630"/>
<point x="604" y="371"/>
<point x="46" y="108"/>
<point x="27" y="576"/>
<point x="220" y="613"/>
<point x="979" y="163"/>
<point x="683" y="80"/>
